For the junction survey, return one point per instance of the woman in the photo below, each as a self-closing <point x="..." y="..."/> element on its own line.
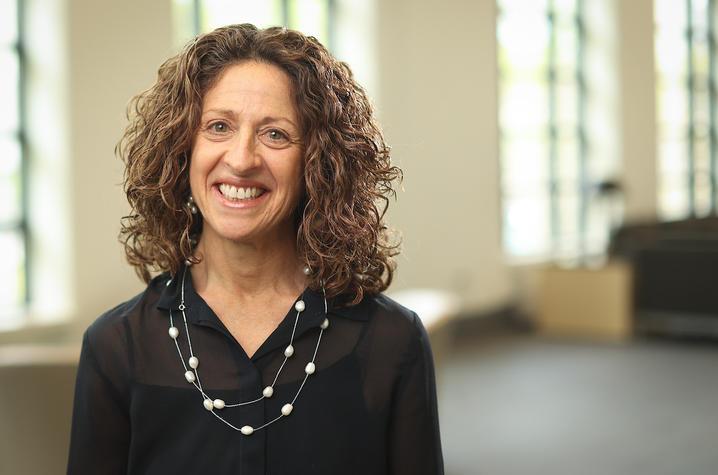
<point x="254" y="170"/>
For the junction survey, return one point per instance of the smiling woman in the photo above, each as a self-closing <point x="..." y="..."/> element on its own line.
<point x="258" y="182"/>
<point x="246" y="164"/>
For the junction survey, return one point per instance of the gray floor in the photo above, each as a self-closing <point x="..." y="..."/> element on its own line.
<point x="520" y="404"/>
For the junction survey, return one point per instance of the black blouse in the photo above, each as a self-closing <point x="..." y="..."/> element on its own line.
<point x="369" y="408"/>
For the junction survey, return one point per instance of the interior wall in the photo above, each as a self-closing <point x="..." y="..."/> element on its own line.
<point x="115" y="50"/>
<point x="437" y="104"/>
<point x="637" y="121"/>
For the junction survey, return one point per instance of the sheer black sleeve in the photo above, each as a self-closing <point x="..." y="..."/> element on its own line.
<point x="100" y="422"/>
<point x="414" y="440"/>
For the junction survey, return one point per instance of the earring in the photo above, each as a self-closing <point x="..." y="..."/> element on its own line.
<point x="190" y="204"/>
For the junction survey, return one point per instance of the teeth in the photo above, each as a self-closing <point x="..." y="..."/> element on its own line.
<point x="234" y="193"/>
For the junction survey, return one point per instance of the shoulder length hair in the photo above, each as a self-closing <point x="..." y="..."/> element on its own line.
<point x="348" y="176"/>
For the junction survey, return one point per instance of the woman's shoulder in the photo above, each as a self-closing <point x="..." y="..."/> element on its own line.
<point x="391" y="312"/>
<point x="382" y="310"/>
<point x="394" y="324"/>
<point x="396" y="313"/>
<point x="113" y="322"/>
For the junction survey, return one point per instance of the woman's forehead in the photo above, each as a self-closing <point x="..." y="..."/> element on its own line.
<point x="249" y="88"/>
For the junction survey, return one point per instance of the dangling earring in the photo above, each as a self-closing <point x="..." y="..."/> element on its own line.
<point x="192" y="241"/>
<point x="190" y="204"/>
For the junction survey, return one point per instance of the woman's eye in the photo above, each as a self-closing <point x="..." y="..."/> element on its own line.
<point x="275" y="137"/>
<point x="218" y="127"/>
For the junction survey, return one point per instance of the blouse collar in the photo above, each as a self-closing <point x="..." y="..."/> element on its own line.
<point x="197" y="309"/>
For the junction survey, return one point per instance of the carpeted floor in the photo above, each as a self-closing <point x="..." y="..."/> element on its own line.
<point x="519" y="404"/>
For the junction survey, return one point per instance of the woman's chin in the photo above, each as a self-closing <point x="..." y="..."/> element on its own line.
<point x="241" y="234"/>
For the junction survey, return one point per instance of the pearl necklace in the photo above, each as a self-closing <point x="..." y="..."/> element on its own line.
<point x="212" y="405"/>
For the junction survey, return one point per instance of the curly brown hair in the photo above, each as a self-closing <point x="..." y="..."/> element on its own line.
<point x="347" y="172"/>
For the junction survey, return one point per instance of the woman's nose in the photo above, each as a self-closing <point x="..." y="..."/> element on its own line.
<point x="243" y="154"/>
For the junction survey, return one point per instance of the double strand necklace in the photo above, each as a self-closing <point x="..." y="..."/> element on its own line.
<point x="213" y="405"/>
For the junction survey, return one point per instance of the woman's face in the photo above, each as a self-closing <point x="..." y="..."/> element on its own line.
<point x="247" y="163"/>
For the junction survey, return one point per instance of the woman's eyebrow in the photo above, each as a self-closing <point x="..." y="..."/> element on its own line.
<point x="233" y="115"/>
<point x="223" y="112"/>
<point x="270" y="119"/>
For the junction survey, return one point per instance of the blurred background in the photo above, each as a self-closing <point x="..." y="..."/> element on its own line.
<point x="558" y="212"/>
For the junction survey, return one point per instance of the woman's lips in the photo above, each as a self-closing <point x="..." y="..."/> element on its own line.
<point x="239" y="203"/>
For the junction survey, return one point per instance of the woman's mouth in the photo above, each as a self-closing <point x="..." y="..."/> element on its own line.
<point x="234" y="193"/>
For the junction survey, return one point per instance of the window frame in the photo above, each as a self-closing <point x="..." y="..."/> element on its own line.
<point x="21" y="224"/>
<point x="689" y="88"/>
<point x="554" y="186"/>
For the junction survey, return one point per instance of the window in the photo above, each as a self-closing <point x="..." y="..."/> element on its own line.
<point x="311" y="17"/>
<point x="685" y="50"/>
<point x="550" y="209"/>
<point x="13" y="218"/>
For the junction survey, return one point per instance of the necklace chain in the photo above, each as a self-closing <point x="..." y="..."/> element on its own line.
<point x="191" y="366"/>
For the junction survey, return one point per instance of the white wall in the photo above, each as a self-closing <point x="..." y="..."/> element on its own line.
<point x="637" y="121"/>
<point x="437" y="104"/>
<point x="115" y="50"/>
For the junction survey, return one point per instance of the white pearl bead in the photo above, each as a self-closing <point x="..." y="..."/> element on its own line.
<point x="325" y="324"/>
<point x="307" y="270"/>
<point x="310" y="368"/>
<point x="287" y="409"/>
<point x="208" y="404"/>
<point x="188" y="262"/>
<point x="174" y="332"/>
<point x="189" y="376"/>
<point x="193" y="362"/>
<point x="247" y="430"/>
<point x="289" y="351"/>
<point x="268" y="391"/>
<point x="218" y="404"/>
<point x="168" y="283"/>
<point x="299" y="306"/>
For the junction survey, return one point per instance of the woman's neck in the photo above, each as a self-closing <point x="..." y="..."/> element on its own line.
<point x="247" y="269"/>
